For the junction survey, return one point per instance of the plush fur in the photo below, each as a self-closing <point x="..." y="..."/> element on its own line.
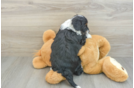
<point x="53" y="77"/>
<point x="42" y="57"/>
<point x="94" y="60"/>
<point x="66" y="45"/>
<point x="95" y="49"/>
<point x="98" y="46"/>
<point x="114" y="70"/>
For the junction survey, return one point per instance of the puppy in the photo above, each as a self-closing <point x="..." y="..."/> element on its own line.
<point x="66" y="45"/>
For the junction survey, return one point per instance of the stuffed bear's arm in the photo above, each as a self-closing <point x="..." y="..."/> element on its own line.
<point x="81" y="50"/>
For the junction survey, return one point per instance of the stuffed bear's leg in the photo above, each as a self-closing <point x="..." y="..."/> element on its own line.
<point x="53" y="77"/>
<point x="38" y="62"/>
<point x="114" y="70"/>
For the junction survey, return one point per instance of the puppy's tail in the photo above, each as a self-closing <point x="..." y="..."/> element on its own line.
<point x="49" y="34"/>
<point x="69" y="76"/>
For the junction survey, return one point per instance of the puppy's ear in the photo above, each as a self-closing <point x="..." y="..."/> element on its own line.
<point x="77" y="24"/>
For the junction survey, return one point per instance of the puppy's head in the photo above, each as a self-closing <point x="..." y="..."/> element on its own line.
<point x="77" y="24"/>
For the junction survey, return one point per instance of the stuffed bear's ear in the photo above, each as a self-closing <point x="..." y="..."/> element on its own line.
<point x="81" y="50"/>
<point x="49" y="34"/>
<point x="76" y="24"/>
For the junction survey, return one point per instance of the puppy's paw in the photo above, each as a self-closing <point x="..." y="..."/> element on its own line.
<point x="77" y="87"/>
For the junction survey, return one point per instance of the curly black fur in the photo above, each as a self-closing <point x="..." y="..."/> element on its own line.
<point x="65" y="48"/>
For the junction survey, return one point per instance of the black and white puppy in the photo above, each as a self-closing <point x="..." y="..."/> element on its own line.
<point x="66" y="45"/>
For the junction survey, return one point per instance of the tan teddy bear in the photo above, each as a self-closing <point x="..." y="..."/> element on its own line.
<point x="93" y="57"/>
